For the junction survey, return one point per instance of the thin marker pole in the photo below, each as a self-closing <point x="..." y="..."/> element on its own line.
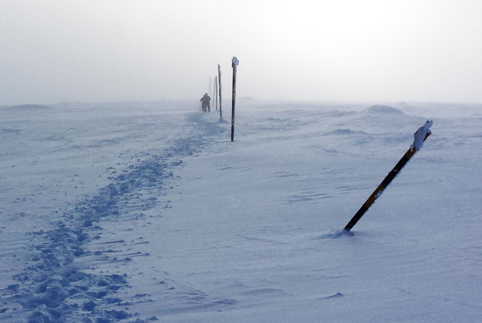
<point x="209" y="84"/>
<point x="216" y="92"/>
<point x="220" y="93"/>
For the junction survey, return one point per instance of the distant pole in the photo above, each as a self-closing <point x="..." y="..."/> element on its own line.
<point x="215" y="95"/>
<point x="220" y="93"/>
<point x="209" y="84"/>
<point x="214" y="91"/>
<point x="235" y="64"/>
<point x="419" y="137"/>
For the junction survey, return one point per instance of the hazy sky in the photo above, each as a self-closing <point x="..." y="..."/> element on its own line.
<point x="342" y="50"/>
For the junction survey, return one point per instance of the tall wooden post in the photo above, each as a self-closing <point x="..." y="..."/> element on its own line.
<point x="235" y="64"/>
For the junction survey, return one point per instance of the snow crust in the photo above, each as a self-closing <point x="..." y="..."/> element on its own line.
<point x="143" y="212"/>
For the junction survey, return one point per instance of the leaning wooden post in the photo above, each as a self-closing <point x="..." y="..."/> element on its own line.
<point x="419" y="137"/>
<point x="235" y="64"/>
<point x="220" y="93"/>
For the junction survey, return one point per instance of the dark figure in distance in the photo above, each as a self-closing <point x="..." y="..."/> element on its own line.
<point x="206" y="103"/>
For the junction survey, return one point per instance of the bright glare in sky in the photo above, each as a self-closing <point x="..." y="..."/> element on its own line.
<point x="347" y="50"/>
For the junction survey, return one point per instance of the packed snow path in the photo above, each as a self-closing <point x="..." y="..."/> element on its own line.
<point x="57" y="282"/>
<point x="146" y="212"/>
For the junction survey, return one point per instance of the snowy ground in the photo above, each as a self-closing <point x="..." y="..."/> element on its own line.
<point x="141" y="212"/>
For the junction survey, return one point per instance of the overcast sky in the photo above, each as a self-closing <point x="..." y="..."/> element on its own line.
<point x="336" y="50"/>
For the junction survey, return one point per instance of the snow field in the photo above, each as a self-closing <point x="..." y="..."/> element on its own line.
<point x="163" y="218"/>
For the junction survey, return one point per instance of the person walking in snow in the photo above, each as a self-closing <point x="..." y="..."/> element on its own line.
<point x="206" y="103"/>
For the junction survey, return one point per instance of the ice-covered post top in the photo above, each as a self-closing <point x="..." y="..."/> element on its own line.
<point x="420" y="134"/>
<point x="235" y="61"/>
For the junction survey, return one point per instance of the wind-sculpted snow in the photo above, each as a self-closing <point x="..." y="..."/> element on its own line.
<point x="147" y="212"/>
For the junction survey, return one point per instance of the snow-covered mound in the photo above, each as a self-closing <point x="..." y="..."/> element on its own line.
<point x="382" y="109"/>
<point x="346" y="132"/>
